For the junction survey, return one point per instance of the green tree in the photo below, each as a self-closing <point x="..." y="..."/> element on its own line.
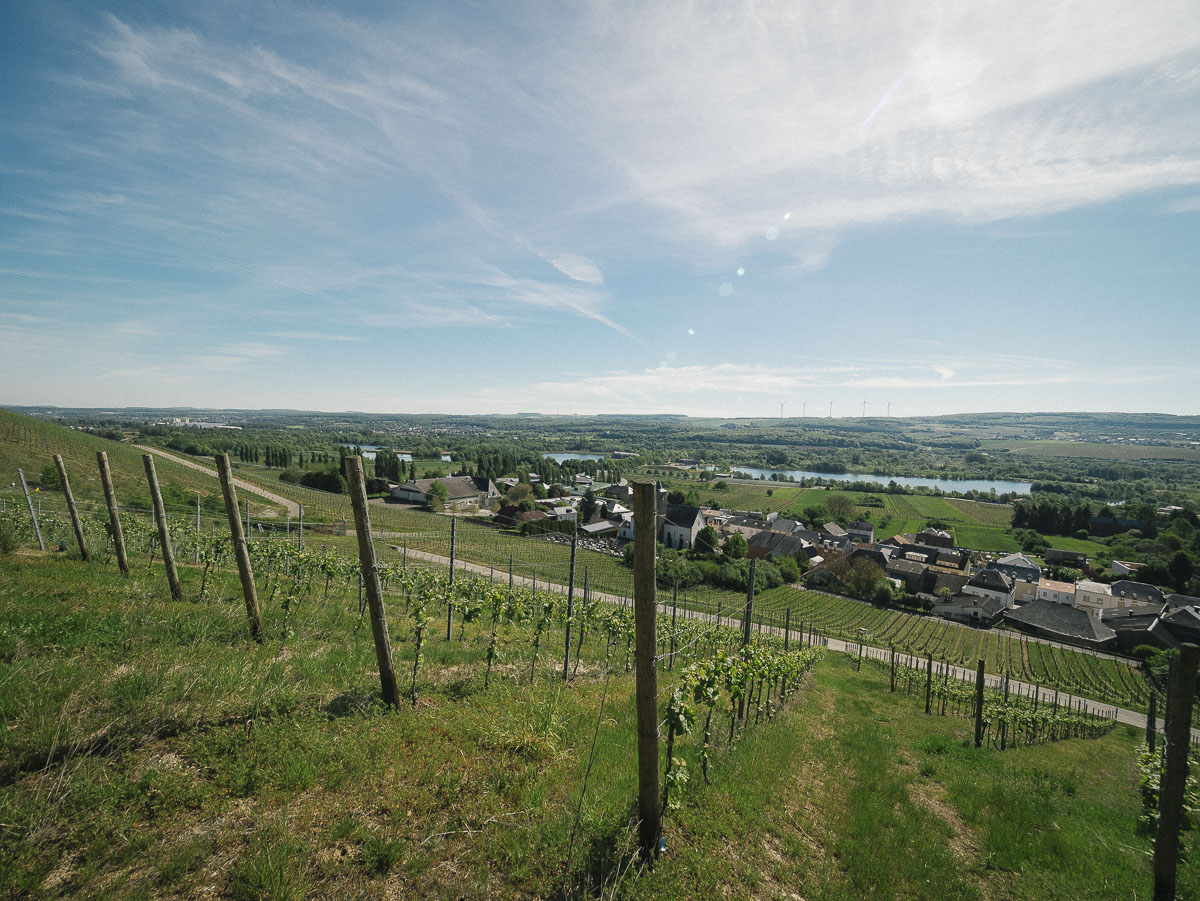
<point x="707" y="541"/>
<point x="840" y="506"/>
<point x="49" y="477"/>
<point x="1180" y="569"/>
<point x="735" y="546"/>
<point x="588" y="507"/>
<point x="439" y="495"/>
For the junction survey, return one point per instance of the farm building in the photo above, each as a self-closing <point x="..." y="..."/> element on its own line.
<point x="462" y="491"/>
<point x="1057" y="556"/>
<point x="1059" y="622"/>
<point x="969" y="608"/>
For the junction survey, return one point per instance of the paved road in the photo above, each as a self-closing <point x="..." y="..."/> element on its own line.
<point x="1047" y="695"/>
<point x="292" y="507"/>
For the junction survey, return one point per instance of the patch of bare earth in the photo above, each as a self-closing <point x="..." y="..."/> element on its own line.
<point x="964" y="843"/>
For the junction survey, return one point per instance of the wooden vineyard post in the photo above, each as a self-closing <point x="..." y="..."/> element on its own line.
<point x="114" y="516"/>
<point x="198" y="528"/>
<point x="893" y="668"/>
<point x="1003" y="727"/>
<point x="746" y="636"/>
<point x="366" y="557"/>
<point x="1174" y="777"/>
<point x="570" y="607"/>
<point x="300" y="532"/>
<point x="32" y="513"/>
<point x="979" y="705"/>
<point x="674" y="613"/>
<point x="583" y="614"/>
<point x="164" y="533"/>
<point x="787" y="627"/>
<point x="75" y="524"/>
<point x="1167" y="706"/>
<point x="928" y="681"/>
<point x="645" y="522"/>
<point x="1152" y="721"/>
<point x="450" y="597"/>
<point x="241" y="552"/>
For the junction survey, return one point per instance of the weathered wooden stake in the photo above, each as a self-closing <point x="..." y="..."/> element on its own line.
<point x="928" y="681"/>
<point x="787" y="626"/>
<point x="66" y="486"/>
<point x="32" y="514"/>
<point x="645" y="520"/>
<point x="366" y="557"/>
<point x="893" y="668"/>
<point x="746" y="626"/>
<point x="979" y="705"/>
<point x="449" y="599"/>
<point x="114" y="516"/>
<point x="1174" y="777"/>
<point x="570" y="607"/>
<point x="164" y="533"/>
<point x="1152" y="721"/>
<point x="300" y="531"/>
<point x="198" y="528"/>
<point x="674" y="613"/>
<point x="241" y="552"/>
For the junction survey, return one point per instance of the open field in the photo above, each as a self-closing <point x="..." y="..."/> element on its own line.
<point x="1094" y="450"/>
<point x="151" y="749"/>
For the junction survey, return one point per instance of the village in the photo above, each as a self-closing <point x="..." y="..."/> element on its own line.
<point x="1059" y="598"/>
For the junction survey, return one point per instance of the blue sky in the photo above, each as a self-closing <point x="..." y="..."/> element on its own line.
<point x="611" y="207"/>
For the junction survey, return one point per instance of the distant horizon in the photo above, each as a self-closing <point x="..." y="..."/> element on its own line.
<point x="114" y="409"/>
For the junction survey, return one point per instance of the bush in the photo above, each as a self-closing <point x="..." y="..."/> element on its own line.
<point x="325" y="480"/>
<point x="13" y="530"/>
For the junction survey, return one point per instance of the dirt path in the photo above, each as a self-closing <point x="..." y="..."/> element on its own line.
<point x="292" y="507"/>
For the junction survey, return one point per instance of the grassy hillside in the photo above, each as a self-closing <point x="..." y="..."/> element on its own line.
<point x="30" y="444"/>
<point x="148" y="748"/>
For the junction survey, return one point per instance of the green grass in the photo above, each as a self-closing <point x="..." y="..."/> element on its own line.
<point x="30" y="444"/>
<point x="1103" y="679"/>
<point x="150" y="748"/>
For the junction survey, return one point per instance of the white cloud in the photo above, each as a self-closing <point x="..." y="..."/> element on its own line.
<point x="578" y="268"/>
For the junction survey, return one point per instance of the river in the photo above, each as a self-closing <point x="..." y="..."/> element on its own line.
<point x="985" y="485"/>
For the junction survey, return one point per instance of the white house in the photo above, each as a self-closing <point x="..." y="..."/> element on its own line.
<point x="680" y="526"/>
<point x="991" y="583"/>
<point x="1057" y="592"/>
<point x="1094" y="597"/>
